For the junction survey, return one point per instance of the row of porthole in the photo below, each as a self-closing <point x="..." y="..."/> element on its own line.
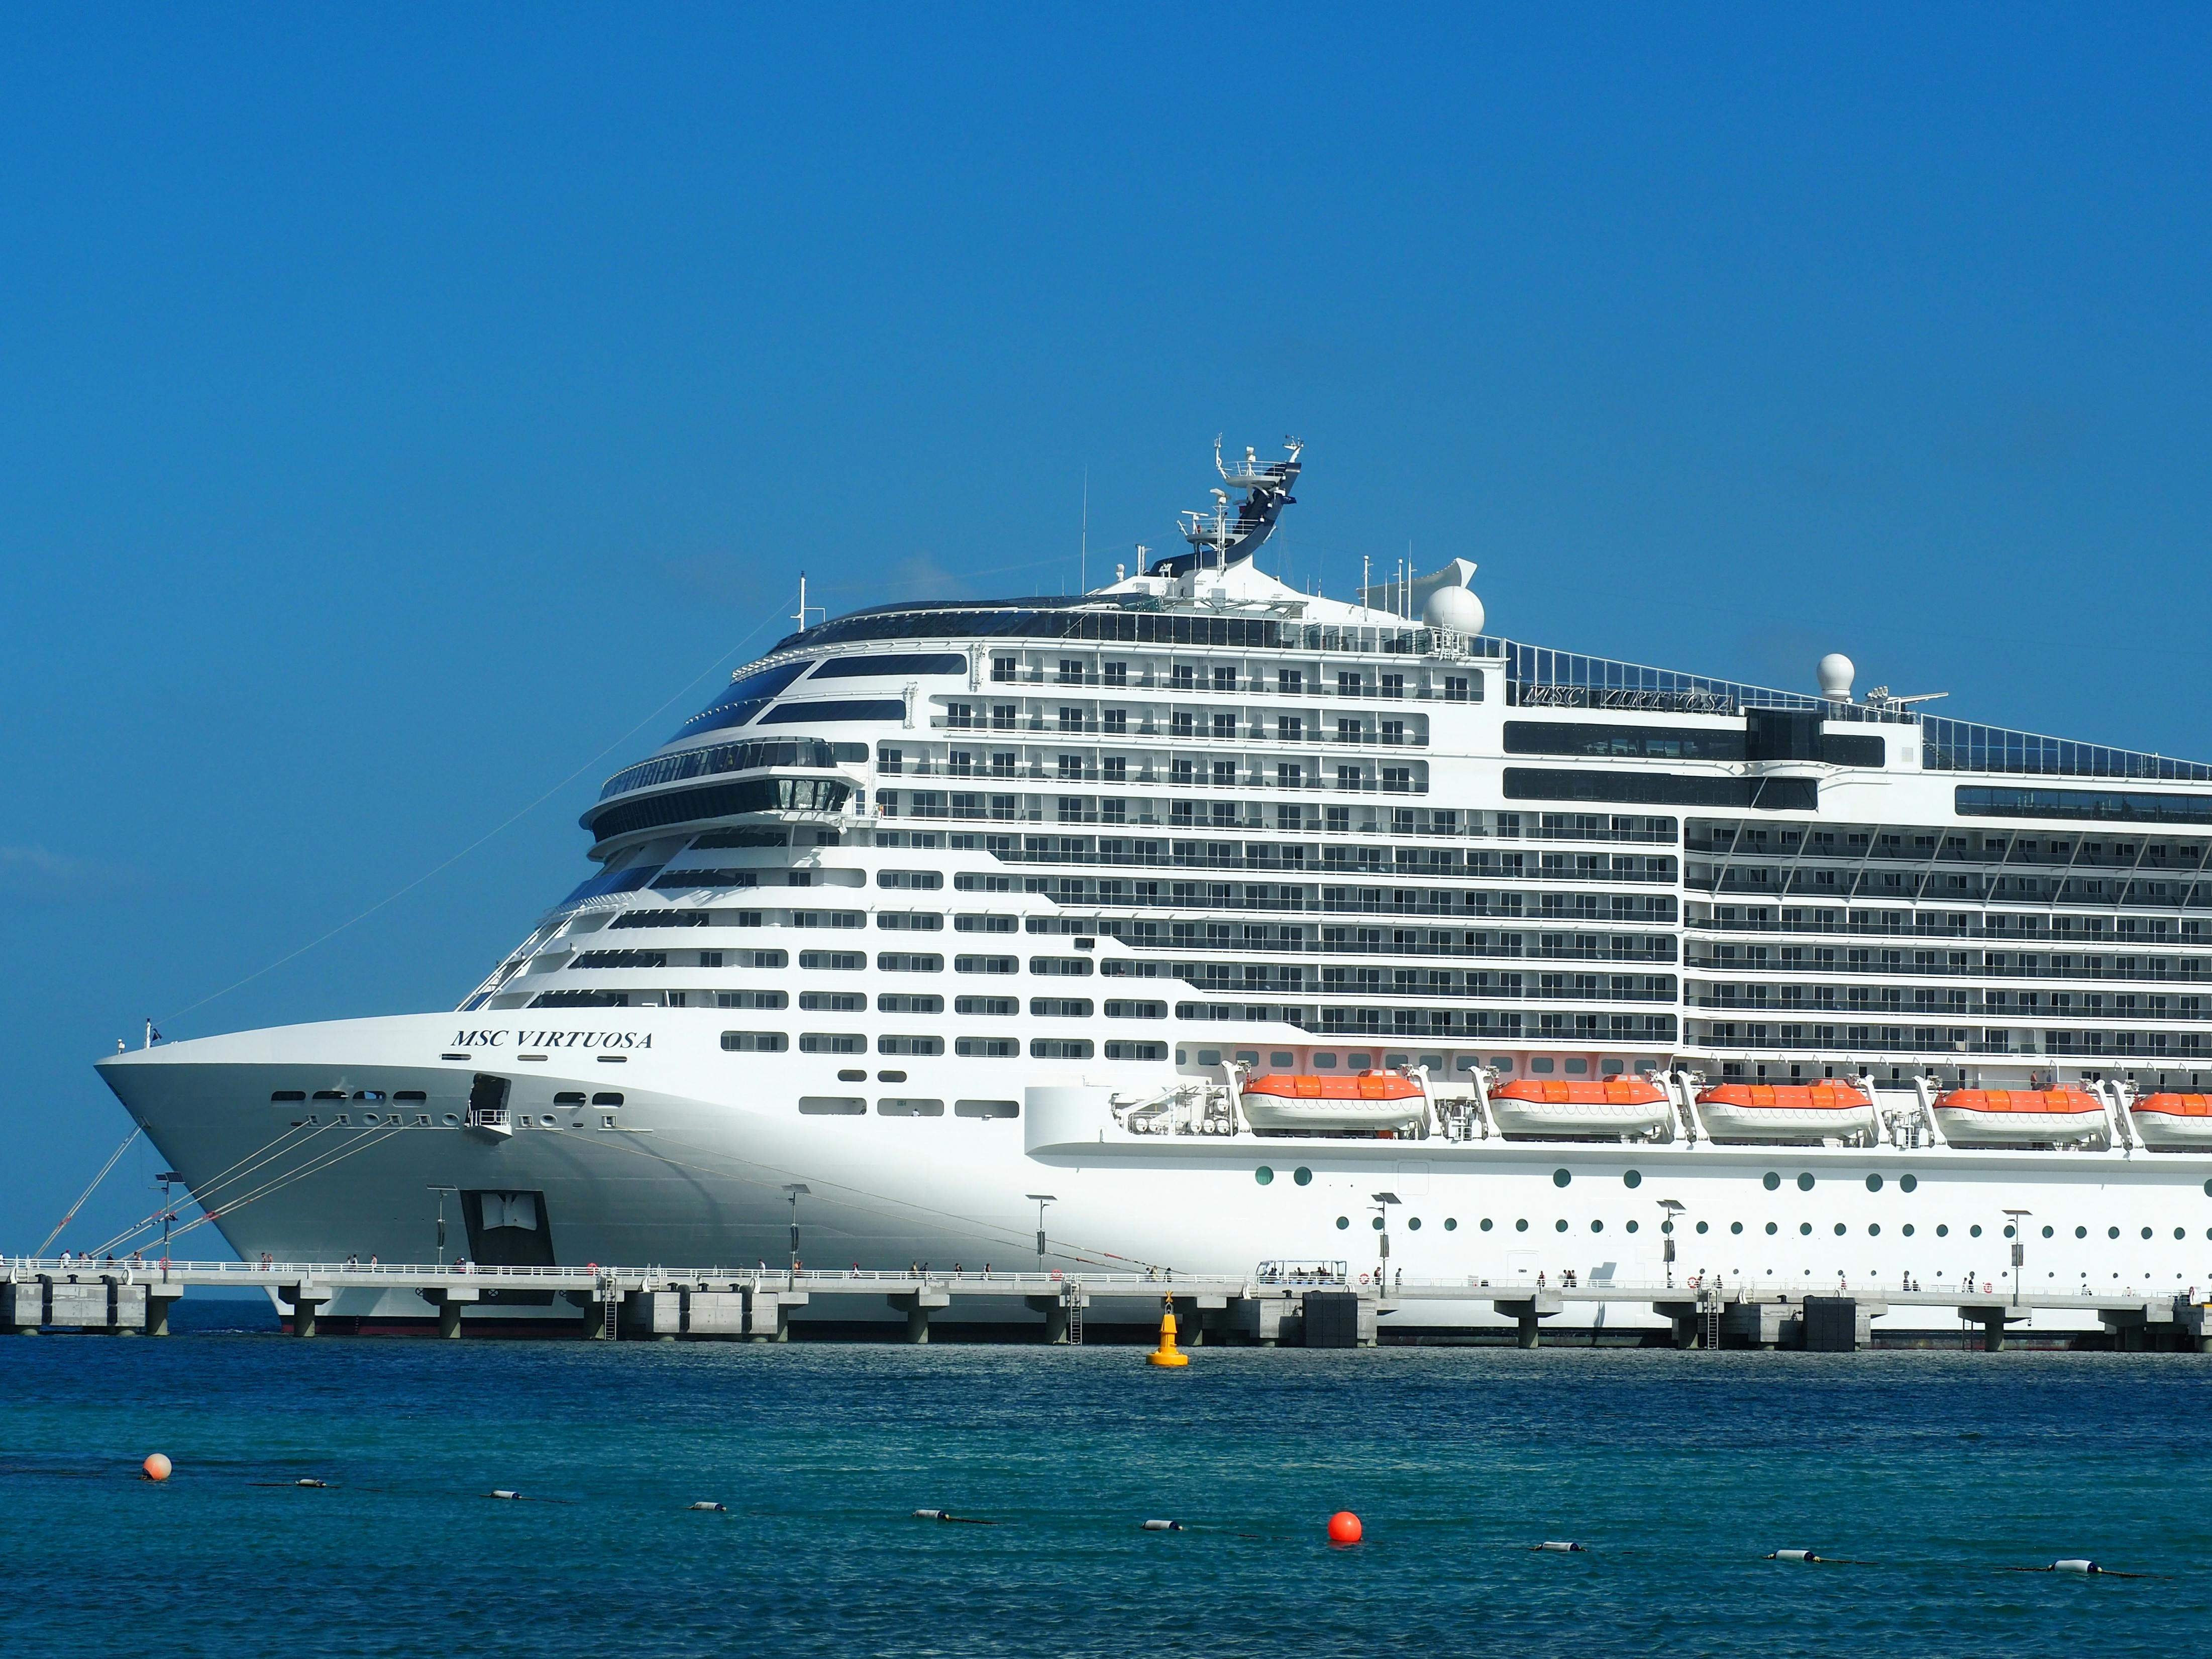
<point x="1804" y="1228"/>
<point x="1773" y="1182"/>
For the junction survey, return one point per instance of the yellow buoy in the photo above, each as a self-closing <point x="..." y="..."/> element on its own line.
<point x="1166" y="1354"/>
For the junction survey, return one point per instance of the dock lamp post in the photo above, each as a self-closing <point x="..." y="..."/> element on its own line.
<point x="1382" y="1201"/>
<point x="1674" y="1207"/>
<point x="1040" y="1199"/>
<point x="441" y="1192"/>
<point x="2019" y="1248"/>
<point x="795" y="1190"/>
<point x="168" y="1216"/>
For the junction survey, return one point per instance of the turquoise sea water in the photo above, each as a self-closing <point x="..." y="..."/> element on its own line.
<point x="1679" y="1471"/>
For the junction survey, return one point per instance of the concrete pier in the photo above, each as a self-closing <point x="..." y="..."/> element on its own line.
<point x="1267" y="1310"/>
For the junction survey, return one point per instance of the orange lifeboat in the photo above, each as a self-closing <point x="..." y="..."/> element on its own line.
<point x="2012" y="1117"/>
<point x="1372" y="1100"/>
<point x="1542" y="1108"/>
<point x="1785" y="1111"/>
<point x="2175" y="1121"/>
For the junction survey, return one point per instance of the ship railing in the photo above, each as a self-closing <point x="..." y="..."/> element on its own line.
<point x="2191" y="983"/>
<point x="1318" y="737"/>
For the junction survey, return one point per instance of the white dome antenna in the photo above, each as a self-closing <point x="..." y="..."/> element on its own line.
<point x="1836" y="672"/>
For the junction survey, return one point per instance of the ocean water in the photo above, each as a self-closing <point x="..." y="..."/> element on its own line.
<point x="1936" y="1475"/>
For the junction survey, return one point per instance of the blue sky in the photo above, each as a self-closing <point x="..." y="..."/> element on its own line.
<point x="402" y="416"/>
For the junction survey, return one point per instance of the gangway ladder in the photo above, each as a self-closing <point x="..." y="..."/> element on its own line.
<point x="1075" y="1320"/>
<point x="610" y="1311"/>
<point x="1710" y="1309"/>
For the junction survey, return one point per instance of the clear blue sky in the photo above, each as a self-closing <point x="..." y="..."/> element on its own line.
<point x="398" y="409"/>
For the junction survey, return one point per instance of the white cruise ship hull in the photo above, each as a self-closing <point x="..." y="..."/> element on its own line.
<point x="695" y="1167"/>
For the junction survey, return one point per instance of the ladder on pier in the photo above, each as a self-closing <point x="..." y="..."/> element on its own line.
<point x="1710" y="1309"/>
<point x="1075" y="1322"/>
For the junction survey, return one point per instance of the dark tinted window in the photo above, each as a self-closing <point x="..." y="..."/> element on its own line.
<point x="1661" y="788"/>
<point x="1650" y="743"/>
<point x="909" y="662"/>
<point x="742" y="700"/>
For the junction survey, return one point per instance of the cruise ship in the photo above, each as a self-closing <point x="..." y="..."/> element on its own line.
<point x="1232" y="923"/>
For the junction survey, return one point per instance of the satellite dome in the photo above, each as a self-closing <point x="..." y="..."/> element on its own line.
<point x="1454" y="609"/>
<point x="1836" y="671"/>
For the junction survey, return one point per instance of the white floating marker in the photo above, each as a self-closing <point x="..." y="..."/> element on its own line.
<point x="2077" y="1563"/>
<point x="1163" y="1526"/>
<point x="718" y="1508"/>
<point x="1793" y="1555"/>
<point x="1557" y="1546"/>
<point x="508" y="1492"/>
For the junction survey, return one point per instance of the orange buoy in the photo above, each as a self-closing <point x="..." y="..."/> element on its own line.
<point x="157" y="1466"/>
<point x="1344" y="1527"/>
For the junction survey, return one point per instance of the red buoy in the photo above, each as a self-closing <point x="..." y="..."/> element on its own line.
<point x="1344" y="1527"/>
<point x="157" y="1467"/>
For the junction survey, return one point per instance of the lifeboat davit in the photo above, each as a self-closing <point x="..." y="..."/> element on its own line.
<point x="2173" y="1121"/>
<point x="1786" y="1111"/>
<point x="1534" y="1108"/>
<point x="1372" y="1100"/>
<point x="2014" y="1117"/>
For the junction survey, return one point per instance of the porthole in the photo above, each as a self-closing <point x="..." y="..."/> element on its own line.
<point x="1974" y="1232"/>
<point x="1839" y="1230"/>
<point x="1703" y="1228"/>
<point x="2181" y="1232"/>
<point x="2112" y="1233"/>
<point x="1874" y="1184"/>
<point x="1561" y="1177"/>
<point x="1263" y="1174"/>
<point x="1597" y="1226"/>
<point x="2083" y="1232"/>
<point x="1632" y="1226"/>
<point x="1942" y="1230"/>
<point x="1561" y="1225"/>
<point x="1377" y="1224"/>
<point x="1302" y="1175"/>
<point x="1668" y="1225"/>
<point x="1485" y="1223"/>
<point x="1451" y="1223"/>
<point x="2049" y="1232"/>
<point x="1805" y="1181"/>
<point x="1413" y="1224"/>
<point x="1770" y="1181"/>
<point x="1805" y="1228"/>
<point x="2145" y="1232"/>
<point x="2008" y="1230"/>
<point x="1632" y="1178"/>
<point x="1906" y="1230"/>
<point x="1906" y="1183"/>
<point x="1342" y="1222"/>
<point x="1736" y="1226"/>
<point x="451" y="1118"/>
<point x="1873" y="1230"/>
<point x="1771" y="1229"/>
<point x="2208" y="1189"/>
<point x="1522" y="1225"/>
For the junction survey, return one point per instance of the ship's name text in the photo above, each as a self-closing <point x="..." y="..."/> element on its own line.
<point x="553" y="1039"/>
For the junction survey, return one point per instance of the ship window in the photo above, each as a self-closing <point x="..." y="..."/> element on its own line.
<point x="905" y="1106"/>
<point x="1120" y="1009"/>
<point x="849" y="961"/>
<point x="832" y="1106"/>
<point x="910" y="880"/>
<point x="569" y="1097"/>
<point x="973" y="1047"/>
<point x="1541" y="1065"/>
<point x="991" y="1008"/>
<point x="830" y="1002"/>
<point x="410" y="1094"/>
<point x="1059" y="1048"/>
<point x="909" y="962"/>
<point x="910" y="1045"/>
<point x="751" y="999"/>
<point x="898" y="1003"/>
<point x="986" y="1108"/>
<point x="1282" y="1057"/>
<point x="1327" y="1063"/>
<point x="283" y="1095"/>
<point x="1136" y="1050"/>
<point x="604" y="1099"/>
<point x="760" y="1042"/>
<point x="832" y="1042"/>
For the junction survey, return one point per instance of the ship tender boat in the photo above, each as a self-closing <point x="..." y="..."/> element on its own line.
<point x="2177" y="1122"/>
<point x="1538" y="1108"/>
<point x="2017" y="1117"/>
<point x="1374" y="1101"/>
<point x="1792" y="1112"/>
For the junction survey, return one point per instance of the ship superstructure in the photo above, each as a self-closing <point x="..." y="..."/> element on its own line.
<point x="1157" y="891"/>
